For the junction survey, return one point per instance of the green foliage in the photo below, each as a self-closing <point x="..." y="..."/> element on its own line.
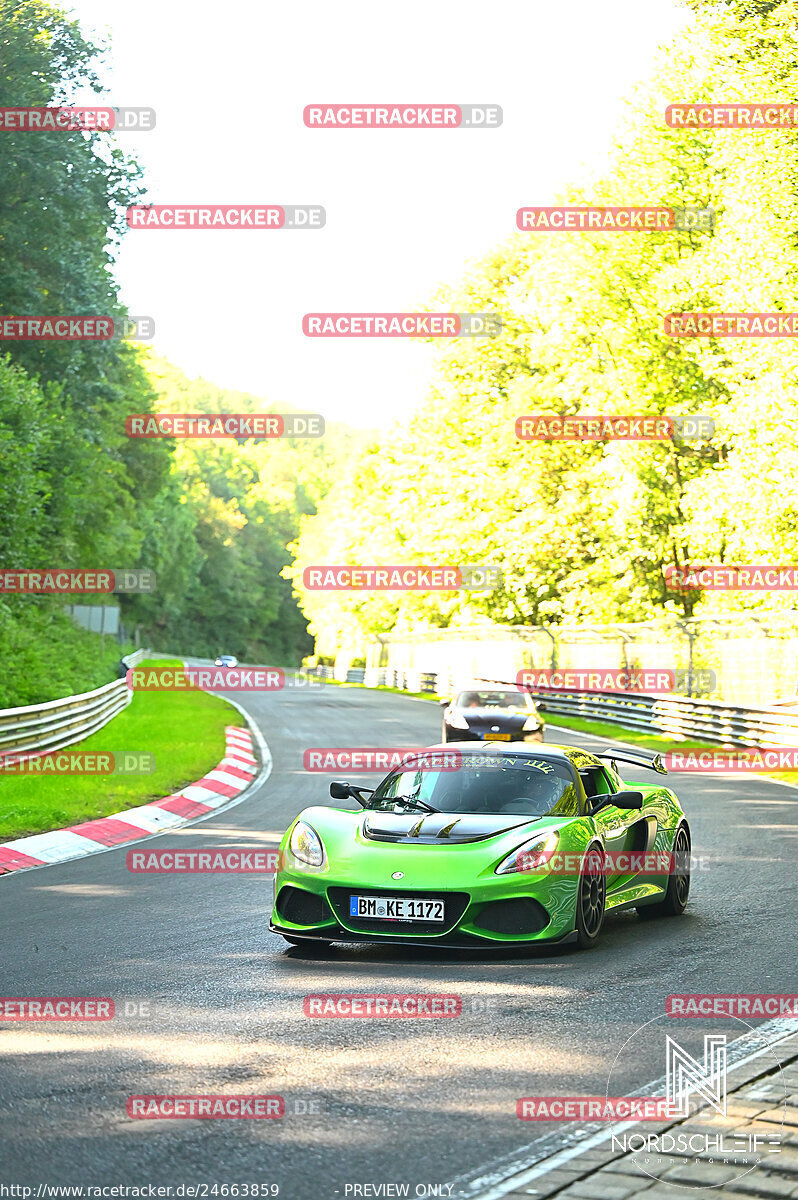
<point x="45" y="655"/>
<point x="219" y="546"/>
<point x="211" y="520"/>
<point x="61" y="214"/>
<point x="585" y="531"/>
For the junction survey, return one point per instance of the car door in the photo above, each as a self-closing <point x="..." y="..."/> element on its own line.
<point x="623" y="829"/>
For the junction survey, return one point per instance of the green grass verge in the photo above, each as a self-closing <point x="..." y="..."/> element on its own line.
<point x="185" y="732"/>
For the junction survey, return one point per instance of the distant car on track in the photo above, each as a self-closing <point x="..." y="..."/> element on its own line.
<point x="226" y="660"/>
<point x="491" y="713"/>
<point x="513" y="846"/>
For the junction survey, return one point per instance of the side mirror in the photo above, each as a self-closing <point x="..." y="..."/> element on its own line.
<point x="628" y="800"/>
<point x="341" y="790"/>
<point x="444" y="703"/>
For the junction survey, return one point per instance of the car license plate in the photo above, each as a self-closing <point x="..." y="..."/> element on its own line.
<point x="497" y="737"/>
<point x="395" y="908"/>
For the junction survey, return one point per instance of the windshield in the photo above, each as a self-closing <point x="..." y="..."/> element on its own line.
<point x="493" y="699"/>
<point x="516" y="785"/>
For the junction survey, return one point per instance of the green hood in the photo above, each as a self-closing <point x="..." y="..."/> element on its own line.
<point x="432" y="861"/>
<point x="438" y="827"/>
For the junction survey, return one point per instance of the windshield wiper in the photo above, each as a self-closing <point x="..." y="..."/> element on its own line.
<point x="415" y="801"/>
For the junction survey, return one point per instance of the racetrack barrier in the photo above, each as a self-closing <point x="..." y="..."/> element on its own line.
<point x="705" y="720"/>
<point x="38" y="728"/>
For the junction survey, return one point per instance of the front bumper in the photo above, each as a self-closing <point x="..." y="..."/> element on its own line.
<point x="492" y="912"/>
<point x="450" y="941"/>
<point x="481" y="735"/>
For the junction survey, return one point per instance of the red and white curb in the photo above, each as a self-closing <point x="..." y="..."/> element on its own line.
<point x="228" y="779"/>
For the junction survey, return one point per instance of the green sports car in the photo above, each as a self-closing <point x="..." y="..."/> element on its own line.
<point x="479" y="847"/>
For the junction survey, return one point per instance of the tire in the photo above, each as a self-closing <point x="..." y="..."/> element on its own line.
<point x="675" y="900"/>
<point x="591" y="897"/>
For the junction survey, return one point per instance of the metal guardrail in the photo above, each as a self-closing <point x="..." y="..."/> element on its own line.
<point x="43" y="728"/>
<point x="702" y="720"/>
<point x="319" y="672"/>
<point x="133" y="660"/>
<point x="409" y="681"/>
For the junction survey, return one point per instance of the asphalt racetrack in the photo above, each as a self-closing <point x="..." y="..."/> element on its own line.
<point x="209" y="1001"/>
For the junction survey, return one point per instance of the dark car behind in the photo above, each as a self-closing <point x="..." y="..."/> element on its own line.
<point x="491" y="714"/>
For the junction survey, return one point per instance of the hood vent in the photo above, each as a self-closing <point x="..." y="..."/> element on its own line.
<point x="438" y="828"/>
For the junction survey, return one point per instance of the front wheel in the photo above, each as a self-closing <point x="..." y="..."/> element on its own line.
<point x="591" y="896"/>
<point x="678" y="889"/>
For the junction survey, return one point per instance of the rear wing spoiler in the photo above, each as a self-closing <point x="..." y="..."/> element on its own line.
<point x="636" y="758"/>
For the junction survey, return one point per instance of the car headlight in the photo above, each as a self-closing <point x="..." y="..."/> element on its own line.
<point x="456" y="720"/>
<point x="306" y="845"/>
<point x="531" y="724"/>
<point x="531" y="855"/>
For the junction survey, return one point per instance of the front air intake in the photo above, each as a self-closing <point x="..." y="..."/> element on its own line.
<point x="302" y="908"/>
<point x="519" y="916"/>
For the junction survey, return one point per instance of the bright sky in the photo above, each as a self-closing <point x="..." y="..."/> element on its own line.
<point x="406" y="209"/>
